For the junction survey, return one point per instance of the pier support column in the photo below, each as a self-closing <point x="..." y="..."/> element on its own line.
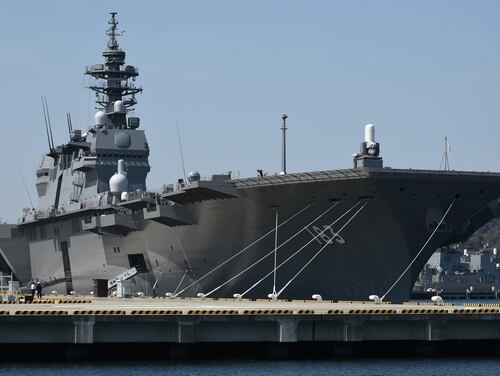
<point x="353" y="331"/>
<point x="287" y="329"/>
<point x="436" y="330"/>
<point x="186" y="332"/>
<point x="84" y="329"/>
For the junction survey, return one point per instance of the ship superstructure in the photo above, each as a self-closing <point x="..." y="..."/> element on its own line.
<point x="457" y="269"/>
<point x="344" y="234"/>
<point x="80" y="171"/>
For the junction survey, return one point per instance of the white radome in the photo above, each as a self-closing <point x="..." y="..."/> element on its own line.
<point x="369" y="133"/>
<point x="101" y="118"/>
<point x="119" y="107"/>
<point x="118" y="183"/>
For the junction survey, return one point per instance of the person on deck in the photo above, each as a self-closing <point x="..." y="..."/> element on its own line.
<point x="39" y="290"/>
<point x="33" y="289"/>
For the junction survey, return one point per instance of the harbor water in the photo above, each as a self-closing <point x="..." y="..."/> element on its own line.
<point x="410" y="367"/>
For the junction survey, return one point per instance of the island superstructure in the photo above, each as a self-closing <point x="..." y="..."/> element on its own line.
<point x="343" y="234"/>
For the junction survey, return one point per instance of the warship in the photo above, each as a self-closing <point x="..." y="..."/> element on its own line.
<point x="458" y="270"/>
<point x="339" y="234"/>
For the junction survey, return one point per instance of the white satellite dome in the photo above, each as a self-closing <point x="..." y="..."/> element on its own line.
<point x="101" y="118"/>
<point x="119" y="107"/>
<point x="194" y="176"/>
<point x="119" y="182"/>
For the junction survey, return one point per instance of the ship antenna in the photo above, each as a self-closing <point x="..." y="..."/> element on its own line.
<point x="114" y="79"/>
<point x="25" y="186"/>
<point x="445" y="161"/>
<point x="112" y="32"/>
<point x="48" y="120"/>
<point x="180" y="148"/>
<point x="283" y="144"/>
<point x="70" y="125"/>
<point x="47" y="127"/>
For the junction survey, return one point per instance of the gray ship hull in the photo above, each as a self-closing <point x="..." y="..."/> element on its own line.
<point x="366" y="257"/>
<point x="95" y="219"/>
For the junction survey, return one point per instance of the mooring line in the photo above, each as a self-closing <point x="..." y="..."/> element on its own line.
<point x="317" y="253"/>
<point x="301" y="248"/>
<point x="242" y="250"/>
<point x="272" y="251"/>
<point x="419" y="252"/>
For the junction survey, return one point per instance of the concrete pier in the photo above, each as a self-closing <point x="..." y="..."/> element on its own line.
<point x="180" y="325"/>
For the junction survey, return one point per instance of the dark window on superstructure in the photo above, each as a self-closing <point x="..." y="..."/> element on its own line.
<point x="137" y="260"/>
<point x="56" y="230"/>
<point x="16" y="233"/>
<point x="43" y="232"/>
<point x="75" y="225"/>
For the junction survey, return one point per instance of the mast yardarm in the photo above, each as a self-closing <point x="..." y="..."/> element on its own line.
<point x="115" y="80"/>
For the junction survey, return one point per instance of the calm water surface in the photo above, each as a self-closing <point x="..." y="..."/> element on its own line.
<point x="411" y="367"/>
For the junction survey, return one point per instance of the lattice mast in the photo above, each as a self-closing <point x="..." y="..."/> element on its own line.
<point x="114" y="78"/>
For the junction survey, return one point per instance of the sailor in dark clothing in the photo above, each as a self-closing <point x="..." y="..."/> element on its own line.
<point x="38" y="289"/>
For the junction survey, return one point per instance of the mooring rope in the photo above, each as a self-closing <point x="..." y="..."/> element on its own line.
<point x="300" y="249"/>
<point x="182" y="279"/>
<point x="317" y="253"/>
<point x="419" y="252"/>
<point x="305" y="245"/>
<point x="242" y="250"/>
<point x="271" y="252"/>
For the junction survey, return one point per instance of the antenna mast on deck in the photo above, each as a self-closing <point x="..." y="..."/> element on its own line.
<point x="283" y="145"/>
<point x="116" y="78"/>
<point x="445" y="162"/>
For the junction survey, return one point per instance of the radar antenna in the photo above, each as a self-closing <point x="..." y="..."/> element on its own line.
<point x="113" y="33"/>
<point x="116" y="77"/>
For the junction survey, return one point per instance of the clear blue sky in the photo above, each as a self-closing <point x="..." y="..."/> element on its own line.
<point x="418" y="70"/>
